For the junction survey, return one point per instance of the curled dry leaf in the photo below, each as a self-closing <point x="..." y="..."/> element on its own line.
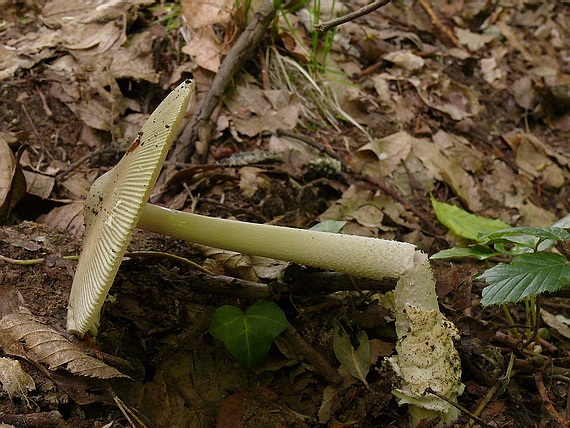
<point x="12" y="181"/>
<point x="251" y="268"/>
<point x="22" y="335"/>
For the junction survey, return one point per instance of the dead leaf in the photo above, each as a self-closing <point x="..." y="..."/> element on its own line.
<point x="68" y="217"/>
<point x="523" y="92"/>
<point x="255" y="110"/>
<point x="449" y="169"/>
<point x="206" y="48"/>
<point x="251" y="179"/>
<point x="200" y="13"/>
<point x="473" y="41"/>
<point x="14" y="379"/>
<point x="22" y="335"/>
<point x="39" y="184"/>
<point x="531" y="157"/>
<point x="557" y="322"/>
<point x="405" y="59"/>
<point x="492" y="72"/>
<point x="251" y="268"/>
<point x="12" y="181"/>
<point x="357" y="361"/>
<point x="9" y="62"/>
<point x="380" y="157"/>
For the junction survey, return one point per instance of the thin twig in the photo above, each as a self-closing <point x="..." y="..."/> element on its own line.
<point x="319" y="363"/>
<point x="546" y="401"/>
<point x="283" y="132"/>
<point x="460" y="408"/>
<point x="440" y="25"/>
<point x="81" y="161"/>
<point x="326" y="26"/>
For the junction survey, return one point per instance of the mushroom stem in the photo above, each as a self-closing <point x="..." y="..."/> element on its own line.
<point x="356" y="255"/>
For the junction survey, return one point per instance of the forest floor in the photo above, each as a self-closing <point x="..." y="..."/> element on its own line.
<point x="465" y="101"/>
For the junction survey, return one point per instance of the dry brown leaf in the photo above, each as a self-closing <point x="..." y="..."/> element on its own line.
<point x="523" y="92"/>
<point x="7" y="170"/>
<point x="39" y="184"/>
<point x="12" y="181"/>
<point x="22" y="335"/>
<point x="251" y="179"/>
<point x="255" y="110"/>
<point x="380" y="157"/>
<point x="68" y="217"/>
<point x="473" y="41"/>
<point x="533" y="158"/>
<point x="200" y="13"/>
<point x="243" y="266"/>
<point x="205" y="48"/>
<point x="447" y="168"/>
<point x="443" y="94"/>
<point x="9" y="62"/>
<point x="458" y="147"/>
<point x="405" y="59"/>
<point x="14" y="379"/>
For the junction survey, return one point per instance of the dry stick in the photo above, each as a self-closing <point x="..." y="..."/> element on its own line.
<point x="320" y="364"/>
<point x="284" y="133"/>
<point x="243" y="49"/>
<point x="436" y="21"/>
<point x="82" y="160"/>
<point x="546" y="401"/>
<point x="326" y="26"/>
<point x="43" y="419"/>
<point x="460" y="408"/>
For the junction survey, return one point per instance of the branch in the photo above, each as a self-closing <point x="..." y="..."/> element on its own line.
<point x="326" y="26"/>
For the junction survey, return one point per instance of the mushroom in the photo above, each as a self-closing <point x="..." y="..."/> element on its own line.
<point x="117" y="203"/>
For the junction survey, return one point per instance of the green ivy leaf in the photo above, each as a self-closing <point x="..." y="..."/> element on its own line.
<point x="526" y="275"/>
<point x="507" y="235"/>
<point x="465" y="224"/>
<point x="331" y="226"/>
<point x="478" y="251"/>
<point x="248" y="336"/>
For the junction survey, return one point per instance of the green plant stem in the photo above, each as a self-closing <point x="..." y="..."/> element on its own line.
<point x="511" y="321"/>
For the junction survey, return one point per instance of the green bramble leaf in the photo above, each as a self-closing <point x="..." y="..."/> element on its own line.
<point x="526" y="275"/>
<point x="248" y="336"/>
<point x="531" y="234"/>
<point x="478" y="251"/>
<point x="465" y="224"/>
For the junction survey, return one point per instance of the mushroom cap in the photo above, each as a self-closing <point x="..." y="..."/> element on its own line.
<point x="113" y="207"/>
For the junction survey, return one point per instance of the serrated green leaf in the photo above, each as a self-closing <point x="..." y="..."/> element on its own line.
<point x="526" y="275"/>
<point x="248" y="336"/>
<point x="331" y="226"/>
<point x="554" y="233"/>
<point x="356" y="361"/>
<point x="478" y="251"/>
<point x="465" y="224"/>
